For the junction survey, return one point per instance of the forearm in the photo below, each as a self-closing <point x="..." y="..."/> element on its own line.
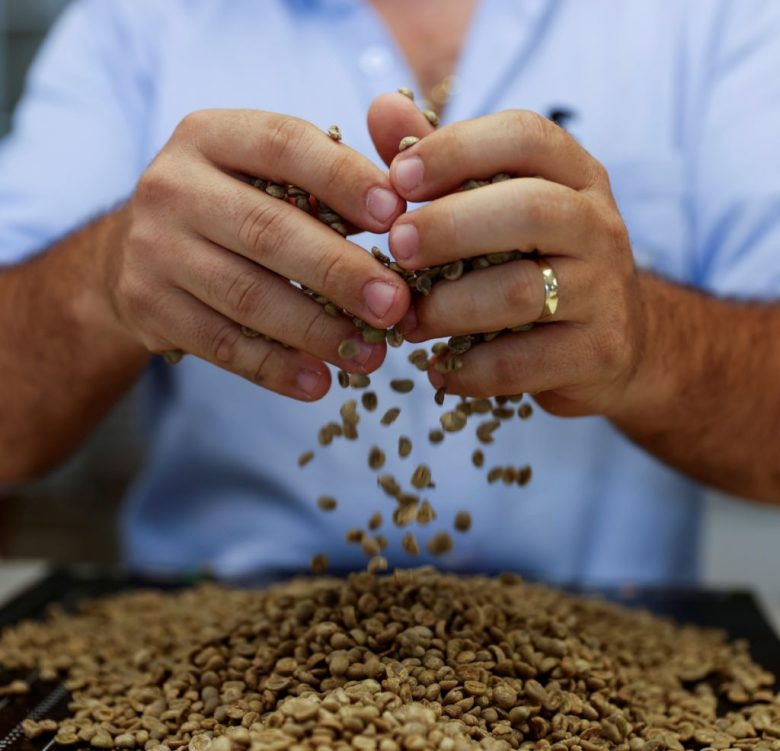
<point x="706" y="396"/>
<point x="64" y="360"/>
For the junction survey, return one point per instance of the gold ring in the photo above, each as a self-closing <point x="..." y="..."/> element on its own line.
<point x="550" y="289"/>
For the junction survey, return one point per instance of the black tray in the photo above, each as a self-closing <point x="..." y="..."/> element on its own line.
<point x="735" y="611"/>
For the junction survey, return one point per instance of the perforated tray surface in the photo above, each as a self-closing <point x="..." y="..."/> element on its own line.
<point x="736" y="612"/>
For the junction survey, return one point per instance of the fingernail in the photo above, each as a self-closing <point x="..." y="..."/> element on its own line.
<point x="404" y="241"/>
<point x="409" y="322"/>
<point x="308" y="382"/>
<point x="365" y="352"/>
<point x="382" y="204"/>
<point x="408" y="173"/>
<point x="379" y="297"/>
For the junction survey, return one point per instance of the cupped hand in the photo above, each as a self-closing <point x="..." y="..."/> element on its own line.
<point x="203" y="255"/>
<point x="559" y="204"/>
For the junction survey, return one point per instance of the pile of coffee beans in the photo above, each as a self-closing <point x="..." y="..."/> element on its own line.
<point x="401" y="662"/>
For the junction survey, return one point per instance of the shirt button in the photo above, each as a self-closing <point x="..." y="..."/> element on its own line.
<point x="375" y="61"/>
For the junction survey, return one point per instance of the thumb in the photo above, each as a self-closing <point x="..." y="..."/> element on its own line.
<point x="392" y="117"/>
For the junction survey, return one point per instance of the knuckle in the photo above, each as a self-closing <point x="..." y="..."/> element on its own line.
<point x="245" y="294"/>
<point x="132" y="296"/>
<point x="538" y="209"/>
<point x="313" y="331"/>
<point x="504" y="369"/>
<point x="529" y="127"/>
<point x="329" y="270"/>
<point x="519" y="288"/>
<point x="435" y="312"/>
<point x="137" y="299"/>
<point x="284" y="138"/>
<point x="600" y="174"/>
<point x="450" y="141"/>
<point x="192" y="124"/>
<point x="223" y="347"/>
<point x="143" y="232"/>
<point x="616" y="232"/>
<point x="264" y="369"/>
<point x="443" y="220"/>
<point x="159" y="184"/>
<point x="263" y="230"/>
<point x="340" y="172"/>
<point x="610" y="349"/>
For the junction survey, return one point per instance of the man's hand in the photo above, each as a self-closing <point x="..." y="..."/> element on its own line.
<point x="202" y="252"/>
<point x="649" y="355"/>
<point x="579" y="361"/>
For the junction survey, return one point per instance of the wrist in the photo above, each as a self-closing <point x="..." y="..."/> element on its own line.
<point x="99" y="251"/>
<point x="659" y="377"/>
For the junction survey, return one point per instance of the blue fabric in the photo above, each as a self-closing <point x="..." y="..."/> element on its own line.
<point x="679" y="99"/>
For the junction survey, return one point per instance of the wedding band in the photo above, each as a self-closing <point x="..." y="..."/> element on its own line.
<point x="550" y="289"/>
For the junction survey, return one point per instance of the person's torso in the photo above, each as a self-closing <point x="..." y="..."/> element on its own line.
<point x="222" y="487"/>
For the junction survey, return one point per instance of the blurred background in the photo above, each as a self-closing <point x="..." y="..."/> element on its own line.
<point x="71" y="515"/>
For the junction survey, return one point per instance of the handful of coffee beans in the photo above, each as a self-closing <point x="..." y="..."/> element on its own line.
<point x="445" y="357"/>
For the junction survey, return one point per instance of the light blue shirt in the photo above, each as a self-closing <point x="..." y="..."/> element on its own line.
<point x="679" y="99"/>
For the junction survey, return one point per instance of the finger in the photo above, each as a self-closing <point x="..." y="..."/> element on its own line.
<point x="519" y="142"/>
<point x="391" y="118"/>
<point x="497" y="298"/>
<point x="291" y="243"/>
<point x="264" y="302"/>
<point x="550" y="356"/>
<point x="185" y="323"/>
<point x="290" y="150"/>
<point x="524" y="214"/>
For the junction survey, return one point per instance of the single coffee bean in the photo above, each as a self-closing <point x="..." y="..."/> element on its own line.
<point x="435" y="436"/>
<point x="249" y="333"/>
<point x="524" y="411"/>
<point x="463" y="521"/>
<point x="426" y="513"/>
<point x="305" y="458"/>
<point x="173" y="356"/>
<point x="453" y="421"/>
<point x="348" y="349"/>
<point x="421" y="477"/>
<point x="439" y="544"/>
<point x="409" y="543"/>
<point x="390" y="416"/>
<point x="376" y="458"/>
<point x="327" y="503"/>
<point x="431" y="117"/>
<point x="359" y="381"/>
<point x="370" y="401"/>
<point x="402" y="385"/>
<point x="319" y="563"/>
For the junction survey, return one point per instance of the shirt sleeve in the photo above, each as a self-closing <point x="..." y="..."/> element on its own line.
<point x="735" y="149"/>
<point x="76" y="139"/>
